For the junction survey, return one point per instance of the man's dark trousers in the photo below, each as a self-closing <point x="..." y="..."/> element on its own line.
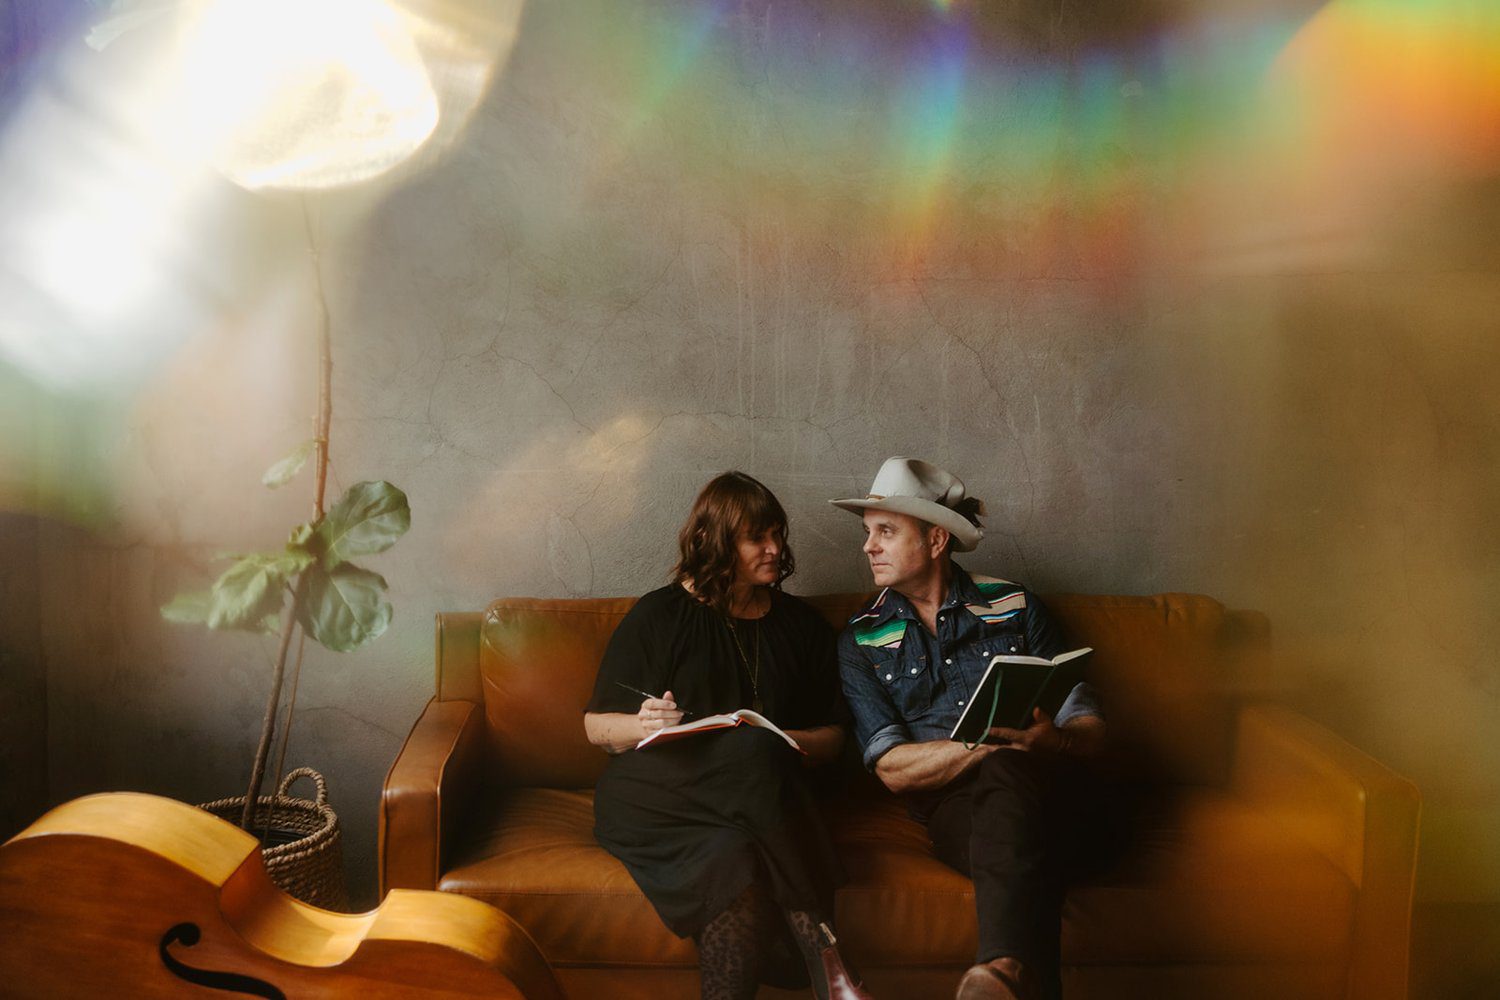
<point x="1021" y="824"/>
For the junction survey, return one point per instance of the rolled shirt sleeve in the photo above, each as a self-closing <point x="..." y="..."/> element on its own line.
<point x="877" y="724"/>
<point x="1082" y="701"/>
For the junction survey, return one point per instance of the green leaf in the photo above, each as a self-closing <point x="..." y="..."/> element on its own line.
<point x="344" y="607"/>
<point x="251" y="589"/>
<point x="368" y="518"/>
<point x="283" y="471"/>
<point x="187" y="609"/>
<point x="295" y="559"/>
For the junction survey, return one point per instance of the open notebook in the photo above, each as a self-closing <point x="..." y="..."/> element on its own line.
<point x="714" y="723"/>
<point x="1012" y="686"/>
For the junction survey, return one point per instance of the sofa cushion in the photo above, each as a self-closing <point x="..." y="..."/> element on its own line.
<point x="1158" y="663"/>
<point x="534" y="856"/>
<point x="1210" y="880"/>
<point x="537" y="663"/>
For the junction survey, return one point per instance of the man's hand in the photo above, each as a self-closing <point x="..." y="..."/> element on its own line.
<point x="1080" y="737"/>
<point x="658" y="713"/>
<point x="1041" y="735"/>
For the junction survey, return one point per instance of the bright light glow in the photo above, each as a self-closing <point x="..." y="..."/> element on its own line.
<point x="105" y="247"/>
<point x="302" y="93"/>
<point x="1387" y="85"/>
<point x="116" y="244"/>
<point x="99" y="277"/>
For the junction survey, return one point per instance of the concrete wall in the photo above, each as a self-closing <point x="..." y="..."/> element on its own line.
<point x="1178" y="337"/>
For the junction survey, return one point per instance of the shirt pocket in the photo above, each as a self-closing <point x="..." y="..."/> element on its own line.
<point x="1001" y="640"/>
<point x="908" y="683"/>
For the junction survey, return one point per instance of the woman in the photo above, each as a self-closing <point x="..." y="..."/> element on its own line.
<point x="719" y="829"/>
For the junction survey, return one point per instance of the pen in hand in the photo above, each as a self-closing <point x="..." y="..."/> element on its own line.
<point x="648" y="694"/>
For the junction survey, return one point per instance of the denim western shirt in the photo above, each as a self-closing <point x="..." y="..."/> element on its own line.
<point x="906" y="685"/>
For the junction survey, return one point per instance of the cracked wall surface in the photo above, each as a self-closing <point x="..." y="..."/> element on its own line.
<point x="554" y="336"/>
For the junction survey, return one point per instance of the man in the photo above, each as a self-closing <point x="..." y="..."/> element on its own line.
<point x="1008" y="813"/>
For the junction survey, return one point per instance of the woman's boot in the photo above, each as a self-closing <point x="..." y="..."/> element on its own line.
<point x="842" y="984"/>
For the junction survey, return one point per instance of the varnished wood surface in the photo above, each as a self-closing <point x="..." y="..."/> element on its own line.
<point x="88" y="892"/>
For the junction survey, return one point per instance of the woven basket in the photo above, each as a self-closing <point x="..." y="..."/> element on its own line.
<point x="301" y="842"/>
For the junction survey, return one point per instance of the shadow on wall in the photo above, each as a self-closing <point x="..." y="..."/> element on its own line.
<point x="23" y="678"/>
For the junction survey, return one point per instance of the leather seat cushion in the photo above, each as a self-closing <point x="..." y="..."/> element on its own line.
<point x="1210" y="881"/>
<point x="535" y="857"/>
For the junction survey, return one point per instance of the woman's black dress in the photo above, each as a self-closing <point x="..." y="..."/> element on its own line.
<point x="696" y="819"/>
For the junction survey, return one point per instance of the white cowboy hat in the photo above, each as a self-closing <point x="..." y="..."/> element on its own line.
<point x="912" y="486"/>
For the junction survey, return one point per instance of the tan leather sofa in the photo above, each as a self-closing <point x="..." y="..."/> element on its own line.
<point x="1279" y="862"/>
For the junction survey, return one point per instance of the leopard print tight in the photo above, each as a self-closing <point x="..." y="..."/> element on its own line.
<point x="733" y="946"/>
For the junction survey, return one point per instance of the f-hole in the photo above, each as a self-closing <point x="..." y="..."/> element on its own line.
<point x="188" y="934"/>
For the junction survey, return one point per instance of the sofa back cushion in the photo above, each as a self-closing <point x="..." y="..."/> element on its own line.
<point x="1160" y="664"/>
<point x="537" y="662"/>
<point x="1157" y="663"/>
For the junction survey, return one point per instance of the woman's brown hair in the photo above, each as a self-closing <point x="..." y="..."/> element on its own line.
<point x="707" y="542"/>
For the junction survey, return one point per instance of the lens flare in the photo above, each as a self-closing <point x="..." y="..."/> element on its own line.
<point x="303" y="94"/>
<point x="1385" y="83"/>
<point x="930" y="121"/>
<point x="119" y="240"/>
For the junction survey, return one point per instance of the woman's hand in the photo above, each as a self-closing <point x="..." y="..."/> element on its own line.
<point x="658" y="713"/>
<point x="618" y="732"/>
<point x="821" y="743"/>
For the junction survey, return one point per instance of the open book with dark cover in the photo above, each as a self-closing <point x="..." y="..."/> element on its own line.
<point x="1014" y="686"/>
<point x="714" y="723"/>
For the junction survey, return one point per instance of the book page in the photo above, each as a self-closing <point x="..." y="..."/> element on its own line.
<point x="707" y="724"/>
<point x="756" y="719"/>
<point x="714" y="723"/>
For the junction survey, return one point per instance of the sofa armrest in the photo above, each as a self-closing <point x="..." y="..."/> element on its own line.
<point x="434" y="779"/>
<point x="1357" y="812"/>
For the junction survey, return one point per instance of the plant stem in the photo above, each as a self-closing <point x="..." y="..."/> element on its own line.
<point x="325" y="363"/>
<point x="286" y="727"/>
<point x="324" y="421"/>
<point x="268" y="724"/>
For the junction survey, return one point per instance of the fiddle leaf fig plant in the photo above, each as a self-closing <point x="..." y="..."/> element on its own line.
<point x="338" y="603"/>
<point x="310" y="583"/>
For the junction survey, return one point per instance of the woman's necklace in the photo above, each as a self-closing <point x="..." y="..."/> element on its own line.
<point x="751" y="667"/>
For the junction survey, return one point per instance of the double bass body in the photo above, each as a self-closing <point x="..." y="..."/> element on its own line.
<point x="127" y="895"/>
